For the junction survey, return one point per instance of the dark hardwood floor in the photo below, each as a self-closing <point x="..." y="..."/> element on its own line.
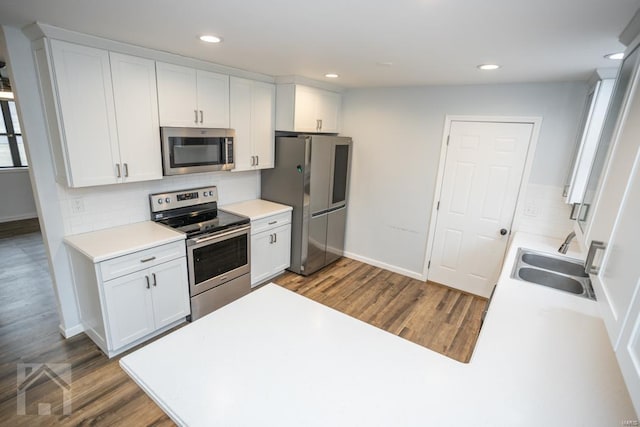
<point x="101" y="393"/>
<point x="434" y="316"/>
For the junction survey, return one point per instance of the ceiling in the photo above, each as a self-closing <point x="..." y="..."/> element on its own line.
<point x="427" y="42"/>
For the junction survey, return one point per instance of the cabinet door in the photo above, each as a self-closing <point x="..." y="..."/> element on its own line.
<point x="86" y="109"/>
<point x="628" y="352"/>
<point x="281" y="249"/>
<point x="240" y="121"/>
<point x="305" y="111"/>
<point x="261" y="264"/>
<point x="213" y="99"/>
<point x="263" y="121"/>
<point x="136" y="104"/>
<point x="170" y="292"/>
<point x="329" y="111"/>
<point x="129" y="308"/>
<point x="177" y="100"/>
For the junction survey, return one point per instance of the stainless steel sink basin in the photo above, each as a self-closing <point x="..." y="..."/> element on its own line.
<point x="558" y="272"/>
<point x="555" y="264"/>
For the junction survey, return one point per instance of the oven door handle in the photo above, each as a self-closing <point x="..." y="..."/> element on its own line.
<point x="239" y="230"/>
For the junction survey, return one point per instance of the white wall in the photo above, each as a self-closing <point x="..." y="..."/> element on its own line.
<point x="397" y="134"/>
<point x="17" y="196"/>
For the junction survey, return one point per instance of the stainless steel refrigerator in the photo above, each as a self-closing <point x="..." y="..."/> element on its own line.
<point x="311" y="174"/>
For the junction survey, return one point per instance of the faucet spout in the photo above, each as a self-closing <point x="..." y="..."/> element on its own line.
<point x="565" y="246"/>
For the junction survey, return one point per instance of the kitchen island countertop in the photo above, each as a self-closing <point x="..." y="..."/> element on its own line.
<point x="276" y="358"/>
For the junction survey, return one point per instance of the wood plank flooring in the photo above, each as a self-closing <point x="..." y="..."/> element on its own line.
<point x="103" y="395"/>
<point x="434" y="316"/>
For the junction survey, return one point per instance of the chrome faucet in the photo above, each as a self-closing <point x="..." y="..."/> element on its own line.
<point x="565" y="246"/>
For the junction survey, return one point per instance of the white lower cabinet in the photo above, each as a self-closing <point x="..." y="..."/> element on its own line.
<point x="270" y="253"/>
<point x="145" y="295"/>
<point x="270" y="237"/>
<point x="139" y="303"/>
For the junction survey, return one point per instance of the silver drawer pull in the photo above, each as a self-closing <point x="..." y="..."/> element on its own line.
<point x="273" y="222"/>
<point x="148" y="259"/>
<point x="155" y="281"/>
<point x="147" y="277"/>
<point x="589" y="268"/>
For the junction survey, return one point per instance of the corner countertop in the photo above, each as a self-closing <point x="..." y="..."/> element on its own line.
<point x="256" y="209"/>
<point x="113" y="242"/>
<point x="274" y="357"/>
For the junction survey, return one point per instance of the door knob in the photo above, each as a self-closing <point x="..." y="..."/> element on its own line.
<point x="503" y="231"/>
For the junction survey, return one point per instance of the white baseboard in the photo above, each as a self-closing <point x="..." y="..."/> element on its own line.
<point x="72" y="331"/>
<point x="19" y="217"/>
<point x="385" y="266"/>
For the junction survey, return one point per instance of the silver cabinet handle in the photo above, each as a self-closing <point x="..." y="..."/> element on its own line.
<point x="118" y="175"/>
<point x="270" y="238"/>
<point x="591" y="255"/>
<point x="253" y="160"/>
<point x="257" y="160"/>
<point x="196" y="113"/>
<point x="201" y="116"/>
<point x="317" y="124"/>
<point x="275" y="237"/>
<point x="148" y="259"/>
<point x="320" y="128"/>
<point x="147" y="277"/>
<point x="126" y="170"/>
<point x="273" y="222"/>
<point x="155" y="282"/>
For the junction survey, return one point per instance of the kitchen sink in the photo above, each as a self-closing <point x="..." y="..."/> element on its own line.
<point x="558" y="272"/>
<point x="555" y="264"/>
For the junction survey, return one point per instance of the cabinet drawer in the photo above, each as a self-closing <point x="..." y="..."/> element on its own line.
<point x="136" y="261"/>
<point x="270" y="222"/>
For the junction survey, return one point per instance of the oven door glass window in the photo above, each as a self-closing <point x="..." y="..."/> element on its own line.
<point x="199" y="151"/>
<point x="218" y="258"/>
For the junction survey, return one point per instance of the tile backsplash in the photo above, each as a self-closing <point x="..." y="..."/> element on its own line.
<point x="95" y="208"/>
<point x="545" y="212"/>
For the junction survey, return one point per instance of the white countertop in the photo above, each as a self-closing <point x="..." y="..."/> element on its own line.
<point x="117" y="241"/>
<point x="256" y="209"/>
<point x="276" y="358"/>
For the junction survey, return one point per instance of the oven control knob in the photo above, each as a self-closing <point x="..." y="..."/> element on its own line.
<point x="160" y="201"/>
<point x="204" y="194"/>
<point x="211" y="193"/>
<point x="168" y="200"/>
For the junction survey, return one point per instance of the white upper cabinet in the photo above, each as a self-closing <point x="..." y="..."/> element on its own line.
<point x="589" y="133"/>
<point x="306" y="109"/>
<point x="252" y="107"/>
<point x="136" y="104"/>
<point x="189" y="98"/>
<point x="102" y="114"/>
<point x="86" y="113"/>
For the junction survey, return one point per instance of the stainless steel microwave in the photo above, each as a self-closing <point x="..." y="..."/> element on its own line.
<point x="193" y="150"/>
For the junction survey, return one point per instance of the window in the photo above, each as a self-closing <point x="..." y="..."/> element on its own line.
<point x="12" y="152"/>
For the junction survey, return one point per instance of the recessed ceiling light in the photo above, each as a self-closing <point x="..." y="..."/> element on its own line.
<point x="210" y="39"/>
<point x="331" y="75"/>
<point x="617" y="55"/>
<point x="385" y="64"/>
<point x="488" y="67"/>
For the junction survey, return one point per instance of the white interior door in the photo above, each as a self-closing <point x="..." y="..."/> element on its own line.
<point x="483" y="171"/>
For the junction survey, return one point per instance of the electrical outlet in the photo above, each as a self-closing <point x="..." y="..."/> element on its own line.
<point x="531" y="209"/>
<point x="77" y="205"/>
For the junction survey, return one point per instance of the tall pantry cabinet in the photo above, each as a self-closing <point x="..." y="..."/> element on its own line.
<point x="609" y="225"/>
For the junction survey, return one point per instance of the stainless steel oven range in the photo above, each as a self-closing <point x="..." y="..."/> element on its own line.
<point x="218" y="246"/>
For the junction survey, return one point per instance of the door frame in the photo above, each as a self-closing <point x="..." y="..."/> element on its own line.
<point x="536" y="121"/>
